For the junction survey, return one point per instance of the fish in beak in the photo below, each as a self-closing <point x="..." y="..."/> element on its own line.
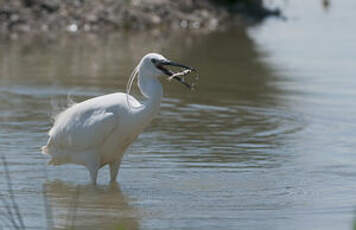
<point x="161" y="65"/>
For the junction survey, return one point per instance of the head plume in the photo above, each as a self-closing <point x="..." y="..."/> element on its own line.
<point x="132" y="78"/>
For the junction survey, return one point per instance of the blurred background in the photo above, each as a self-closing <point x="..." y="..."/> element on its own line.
<point x="266" y="141"/>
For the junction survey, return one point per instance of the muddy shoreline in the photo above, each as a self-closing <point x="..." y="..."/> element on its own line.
<point x="104" y="16"/>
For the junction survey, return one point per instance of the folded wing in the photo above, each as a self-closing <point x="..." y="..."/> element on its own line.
<point x="81" y="127"/>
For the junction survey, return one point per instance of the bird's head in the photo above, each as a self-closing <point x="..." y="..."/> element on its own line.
<point x="156" y="65"/>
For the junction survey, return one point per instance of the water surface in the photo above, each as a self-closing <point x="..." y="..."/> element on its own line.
<point x="265" y="142"/>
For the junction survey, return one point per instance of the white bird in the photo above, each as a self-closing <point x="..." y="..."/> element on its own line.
<point x="97" y="131"/>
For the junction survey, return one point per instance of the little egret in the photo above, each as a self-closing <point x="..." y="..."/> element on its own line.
<point x="97" y="131"/>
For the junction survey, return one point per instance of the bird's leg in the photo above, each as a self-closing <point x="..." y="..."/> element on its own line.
<point x="93" y="175"/>
<point x="93" y="167"/>
<point x="114" y="169"/>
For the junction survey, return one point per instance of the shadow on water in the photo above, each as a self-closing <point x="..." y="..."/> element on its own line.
<point x="90" y="207"/>
<point x="227" y="62"/>
<point x="231" y="73"/>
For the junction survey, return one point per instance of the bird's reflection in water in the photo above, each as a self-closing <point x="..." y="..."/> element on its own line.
<point x="89" y="207"/>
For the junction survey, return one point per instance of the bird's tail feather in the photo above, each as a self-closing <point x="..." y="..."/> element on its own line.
<point x="57" y="159"/>
<point x="63" y="156"/>
<point x="45" y="150"/>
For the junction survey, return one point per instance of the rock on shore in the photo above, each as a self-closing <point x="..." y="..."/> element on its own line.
<point x="37" y="16"/>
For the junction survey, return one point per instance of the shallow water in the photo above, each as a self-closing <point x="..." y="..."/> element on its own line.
<point x="265" y="142"/>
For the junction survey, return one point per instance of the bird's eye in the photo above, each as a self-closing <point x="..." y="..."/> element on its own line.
<point x="154" y="61"/>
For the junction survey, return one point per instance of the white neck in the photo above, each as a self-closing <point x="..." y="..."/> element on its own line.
<point x="151" y="88"/>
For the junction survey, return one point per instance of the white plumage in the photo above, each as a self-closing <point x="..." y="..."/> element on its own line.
<point x="97" y="131"/>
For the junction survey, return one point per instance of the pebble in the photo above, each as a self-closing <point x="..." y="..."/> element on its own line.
<point x="72" y="28"/>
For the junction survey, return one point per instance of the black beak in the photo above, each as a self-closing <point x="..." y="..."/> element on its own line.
<point x="177" y="65"/>
<point x="168" y="72"/>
